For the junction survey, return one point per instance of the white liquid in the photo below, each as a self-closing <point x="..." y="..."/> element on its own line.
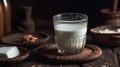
<point x="70" y="37"/>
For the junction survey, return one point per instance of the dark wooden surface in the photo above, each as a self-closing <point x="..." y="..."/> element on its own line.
<point x="109" y="58"/>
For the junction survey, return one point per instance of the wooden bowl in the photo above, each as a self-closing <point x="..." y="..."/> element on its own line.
<point x="107" y="38"/>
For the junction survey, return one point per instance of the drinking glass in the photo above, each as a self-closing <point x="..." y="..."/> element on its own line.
<point x="70" y="32"/>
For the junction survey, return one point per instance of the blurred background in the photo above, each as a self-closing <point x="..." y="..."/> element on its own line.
<point x="43" y="10"/>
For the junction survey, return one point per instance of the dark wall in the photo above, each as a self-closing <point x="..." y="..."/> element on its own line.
<point x="45" y="9"/>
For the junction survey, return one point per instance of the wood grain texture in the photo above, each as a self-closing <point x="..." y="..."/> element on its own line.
<point x="108" y="59"/>
<point x="117" y="53"/>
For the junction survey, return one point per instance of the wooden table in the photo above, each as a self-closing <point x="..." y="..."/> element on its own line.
<point x="109" y="58"/>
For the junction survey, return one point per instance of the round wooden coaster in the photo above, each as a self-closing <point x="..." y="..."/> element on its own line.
<point x="89" y="53"/>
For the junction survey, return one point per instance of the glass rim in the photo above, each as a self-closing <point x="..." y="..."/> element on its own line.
<point x="82" y="14"/>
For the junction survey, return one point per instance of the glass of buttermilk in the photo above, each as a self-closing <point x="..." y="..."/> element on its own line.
<point x="70" y="32"/>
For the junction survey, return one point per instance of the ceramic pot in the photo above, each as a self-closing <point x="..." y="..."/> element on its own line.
<point x="109" y="17"/>
<point x="27" y="25"/>
<point x="1" y="19"/>
<point x="5" y="18"/>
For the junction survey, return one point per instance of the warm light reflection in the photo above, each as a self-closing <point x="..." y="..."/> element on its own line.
<point x="5" y="2"/>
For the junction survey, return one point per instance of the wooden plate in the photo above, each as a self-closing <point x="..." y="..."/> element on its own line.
<point x="89" y="53"/>
<point x="13" y="39"/>
<point x="24" y="53"/>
